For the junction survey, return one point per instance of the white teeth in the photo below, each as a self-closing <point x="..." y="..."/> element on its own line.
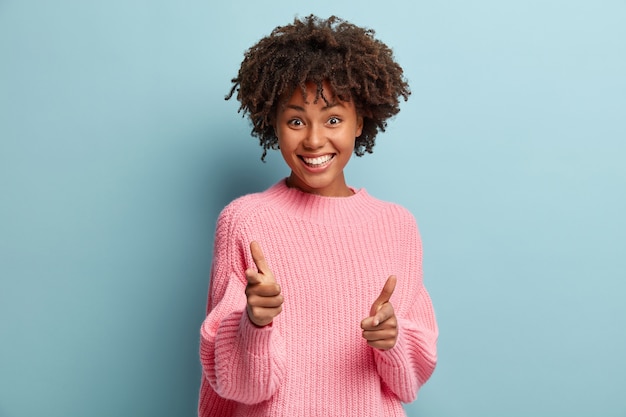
<point x="320" y="160"/>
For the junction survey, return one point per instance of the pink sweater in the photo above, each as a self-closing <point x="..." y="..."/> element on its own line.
<point x="331" y="257"/>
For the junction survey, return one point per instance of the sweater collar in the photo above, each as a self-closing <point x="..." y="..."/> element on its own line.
<point x="322" y="209"/>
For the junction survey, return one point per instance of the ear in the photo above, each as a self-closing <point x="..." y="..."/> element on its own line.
<point x="359" y="126"/>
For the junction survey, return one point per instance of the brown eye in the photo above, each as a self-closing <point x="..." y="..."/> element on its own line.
<point x="334" y="121"/>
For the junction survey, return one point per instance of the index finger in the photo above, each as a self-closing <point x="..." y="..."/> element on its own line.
<point x="385" y="294"/>
<point x="259" y="259"/>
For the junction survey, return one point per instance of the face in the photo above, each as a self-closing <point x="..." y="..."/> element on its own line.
<point x="317" y="140"/>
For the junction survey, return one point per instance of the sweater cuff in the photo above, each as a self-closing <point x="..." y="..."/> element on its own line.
<point x="256" y="340"/>
<point x="396" y="356"/>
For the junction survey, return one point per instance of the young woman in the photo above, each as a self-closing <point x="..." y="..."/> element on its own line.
<point x="316" y="304"/>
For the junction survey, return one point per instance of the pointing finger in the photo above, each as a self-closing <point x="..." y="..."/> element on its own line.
<point x="385" y="295"/>
<point x="261" y="264"/>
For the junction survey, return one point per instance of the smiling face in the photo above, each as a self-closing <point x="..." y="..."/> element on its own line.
<point x="317" y="139"/>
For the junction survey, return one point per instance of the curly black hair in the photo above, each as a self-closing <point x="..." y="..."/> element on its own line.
<point x="357" y="66"/>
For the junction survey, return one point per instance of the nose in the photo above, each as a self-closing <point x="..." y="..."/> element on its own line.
<point x="315" y="138"/>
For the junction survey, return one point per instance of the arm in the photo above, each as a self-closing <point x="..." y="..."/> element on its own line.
<point x="408" y="365"/>
<point x="240" y="361"/>
<point x="404" y="338"/>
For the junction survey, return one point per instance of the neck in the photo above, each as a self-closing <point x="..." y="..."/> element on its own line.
<point x="342" y="191"/>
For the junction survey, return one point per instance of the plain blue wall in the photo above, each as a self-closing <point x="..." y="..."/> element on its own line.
<point x="117" y="152"/>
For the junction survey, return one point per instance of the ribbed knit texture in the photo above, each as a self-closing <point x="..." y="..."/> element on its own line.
<point x="331" y="256"/>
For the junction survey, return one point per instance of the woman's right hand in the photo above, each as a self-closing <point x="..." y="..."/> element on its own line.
<point x="265" y="300"/>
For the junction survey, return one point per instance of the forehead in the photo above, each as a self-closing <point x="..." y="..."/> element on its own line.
<point x="312" y="93"/>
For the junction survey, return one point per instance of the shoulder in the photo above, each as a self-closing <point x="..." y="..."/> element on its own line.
<point x="242" y="208"/>
<point x="397" y="223"/>
<point x="249" y="208"/>
<point x="393" y="211"/>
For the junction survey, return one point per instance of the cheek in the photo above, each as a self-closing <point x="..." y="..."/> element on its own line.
<point x="286" y="147"/>
<point x="349" y="141"/>
<point x="287" y="140"/>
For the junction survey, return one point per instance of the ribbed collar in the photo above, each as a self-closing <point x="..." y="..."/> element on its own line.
<point x="357" y="208"/>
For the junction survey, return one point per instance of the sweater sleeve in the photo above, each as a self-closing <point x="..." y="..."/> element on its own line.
<point x="240" y="361"/>
<point x="410" y="363"/>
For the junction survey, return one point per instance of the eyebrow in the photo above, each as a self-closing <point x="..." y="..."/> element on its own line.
<point x="300" y="108"/>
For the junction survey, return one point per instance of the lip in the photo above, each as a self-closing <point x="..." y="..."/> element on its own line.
<point x="318" y="167"/>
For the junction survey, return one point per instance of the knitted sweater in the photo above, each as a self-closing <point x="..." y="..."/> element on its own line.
<point x="331" y="257"/>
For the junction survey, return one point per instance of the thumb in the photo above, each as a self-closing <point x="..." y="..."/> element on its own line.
<point x="385" y="295"/>
<point x="261" y="264"/>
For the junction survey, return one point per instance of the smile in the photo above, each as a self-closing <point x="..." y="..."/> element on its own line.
<point x="318" y="161"/>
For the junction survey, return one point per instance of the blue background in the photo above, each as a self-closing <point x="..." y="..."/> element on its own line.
<point x="117" y="152"/>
